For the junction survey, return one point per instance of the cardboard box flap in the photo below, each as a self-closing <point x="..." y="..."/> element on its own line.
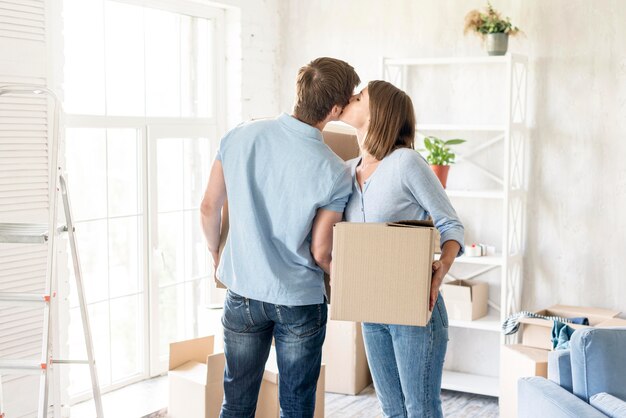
<point x="215" y="364"/>
<point x="413" y="223"/>
<point x="595" y="315"/>
<point x="458" y="290"/>
<point x="191" y="350"/>
<point x="427" y="223"/>
<point x="191" y="370"/>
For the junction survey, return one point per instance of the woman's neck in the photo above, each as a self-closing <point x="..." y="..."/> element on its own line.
<point x="361" y="133"/>
<point x="367" y="158"/>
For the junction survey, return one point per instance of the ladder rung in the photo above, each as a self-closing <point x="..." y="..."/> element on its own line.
<point x="70" y="361"/>
<point x="26" y="366"/>
<point x="13" y="233"/>
<point x="23" y="297"/>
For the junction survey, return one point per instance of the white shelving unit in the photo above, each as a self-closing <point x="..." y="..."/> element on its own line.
<point x="513" y="135"/>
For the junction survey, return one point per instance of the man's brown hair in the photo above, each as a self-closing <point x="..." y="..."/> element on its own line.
<point x="322" y="84"/>
<point x="392" y="120"/>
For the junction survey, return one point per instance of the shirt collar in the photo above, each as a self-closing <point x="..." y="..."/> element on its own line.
<point x="300" y="127"/>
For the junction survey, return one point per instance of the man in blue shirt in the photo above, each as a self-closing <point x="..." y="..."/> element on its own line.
<point x="286" y="189"/>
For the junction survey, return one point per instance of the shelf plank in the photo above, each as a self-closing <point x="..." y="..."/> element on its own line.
<point x="489" y="260"/>
<point x="484" y="194"/>
<point x="470" y="383"/>
<point x="459" y="127"/>
<point x="501" y="59"/>
<point x="479" y="194"/>
<point x="487" y="323"/>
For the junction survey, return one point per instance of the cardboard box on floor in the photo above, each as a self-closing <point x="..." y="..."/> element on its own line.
<point x="466" y="300"/>
<point x="196" y="375"/>
<point x="517" y="361"/>
<point x="381" y="272"/>
<point x="538" y="332"/>
<point x="347" y="371"/>
<point x="269" y="406"/>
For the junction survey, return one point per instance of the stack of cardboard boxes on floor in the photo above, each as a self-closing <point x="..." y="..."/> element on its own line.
<point x="530" y="358"/>
<point x="196" y="373"/>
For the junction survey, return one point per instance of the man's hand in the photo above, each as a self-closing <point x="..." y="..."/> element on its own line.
<point x="216" y="259"/>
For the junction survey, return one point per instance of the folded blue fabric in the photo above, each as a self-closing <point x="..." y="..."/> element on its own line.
<point x="561" y="334"/>
<point x="579" y="321"/>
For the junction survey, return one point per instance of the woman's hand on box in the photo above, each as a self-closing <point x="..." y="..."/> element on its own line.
<point x="439" y="272"/>
<point x="449" y="250"/>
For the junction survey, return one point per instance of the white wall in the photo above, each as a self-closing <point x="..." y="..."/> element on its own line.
<point x="253" y="53"/>
<point x="577" y="96"/>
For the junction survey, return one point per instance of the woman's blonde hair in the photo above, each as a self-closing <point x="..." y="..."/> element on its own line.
<point x="392" y="120"/>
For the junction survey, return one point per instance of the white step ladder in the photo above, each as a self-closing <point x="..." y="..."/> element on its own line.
<point x="26" y="233"/>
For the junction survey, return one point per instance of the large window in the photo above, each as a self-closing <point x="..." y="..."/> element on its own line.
<point x="141" y="86"/>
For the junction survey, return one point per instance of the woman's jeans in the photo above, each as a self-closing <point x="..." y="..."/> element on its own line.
<point x="406" y="364"/>
<point x="299" y="333"/>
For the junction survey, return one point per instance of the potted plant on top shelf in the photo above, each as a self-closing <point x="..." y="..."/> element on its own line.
<point x="440" y="156"/>
<point x="492" y="28"/>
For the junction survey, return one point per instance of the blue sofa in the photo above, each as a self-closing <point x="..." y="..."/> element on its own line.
<point x="588" y="380"/>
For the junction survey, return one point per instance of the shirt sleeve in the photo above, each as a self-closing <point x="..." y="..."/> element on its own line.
<point x="219" y="155"/>
<point x="419" y="180"/>
<point x="340" y="192"/>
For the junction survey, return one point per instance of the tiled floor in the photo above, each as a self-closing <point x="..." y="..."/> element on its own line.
<point x="148" y="399"/>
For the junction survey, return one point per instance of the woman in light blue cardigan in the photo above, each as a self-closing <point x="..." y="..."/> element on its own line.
<point x="392" y="182"/>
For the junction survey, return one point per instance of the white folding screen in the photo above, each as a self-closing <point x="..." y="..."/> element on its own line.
<point x="24" y="131"/>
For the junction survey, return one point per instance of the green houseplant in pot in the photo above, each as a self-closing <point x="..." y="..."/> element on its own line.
<point x="440" y="156"/>
<point x="492" y="28"/>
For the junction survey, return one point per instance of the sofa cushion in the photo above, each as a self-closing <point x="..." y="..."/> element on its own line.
<point x="609" y="405"/>
<point x="560" y="368"/>
<point x="539" y="397"/>
<point x="598" y="362"/>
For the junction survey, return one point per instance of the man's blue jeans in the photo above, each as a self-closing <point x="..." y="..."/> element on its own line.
<point x="299" y="333"/>
<point x="407" y="363"/>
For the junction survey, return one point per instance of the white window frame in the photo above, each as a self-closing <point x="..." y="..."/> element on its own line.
<point x="208" y="126"/>
<point x="158" y="363"/>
